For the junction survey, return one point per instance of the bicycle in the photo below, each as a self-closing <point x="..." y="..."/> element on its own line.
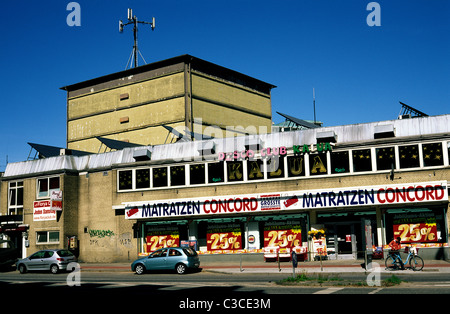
<point x="393" y="261"/>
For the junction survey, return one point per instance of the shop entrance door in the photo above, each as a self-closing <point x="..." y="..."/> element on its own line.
<point x="346" y="241"/>
<point x="342" y="240"/>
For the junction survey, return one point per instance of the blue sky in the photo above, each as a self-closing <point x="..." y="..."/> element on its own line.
<point x="359" y="73"/>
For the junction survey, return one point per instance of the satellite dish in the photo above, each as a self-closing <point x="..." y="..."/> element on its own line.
<point x="120" y="26"/>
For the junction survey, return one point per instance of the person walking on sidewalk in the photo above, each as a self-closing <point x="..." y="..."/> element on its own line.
<point x="395" y="246"/>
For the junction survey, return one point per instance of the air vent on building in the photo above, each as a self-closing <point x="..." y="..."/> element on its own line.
<point x="142" y="155"/>
<point x="253" y="143"/>
<point x="206" y="148"/>
<point x="384" y="131"/>
<point x="326" y="137"/>
<point x="124" y="96"/>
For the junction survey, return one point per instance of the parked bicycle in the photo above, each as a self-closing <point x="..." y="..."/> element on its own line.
<point x="394" y="260"/>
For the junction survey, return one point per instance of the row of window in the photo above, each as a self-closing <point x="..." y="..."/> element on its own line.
<point x="314" y="164"/>
<point x="44" y="188"/>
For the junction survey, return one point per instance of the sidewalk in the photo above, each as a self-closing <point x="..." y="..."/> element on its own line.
<point x="331" y="266"/>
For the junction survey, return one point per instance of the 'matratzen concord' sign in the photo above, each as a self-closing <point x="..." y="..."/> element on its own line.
<point x="380" y="195"/>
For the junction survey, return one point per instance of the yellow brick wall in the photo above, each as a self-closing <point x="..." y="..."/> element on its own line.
<point x="140" y="92"/>
<point x="232" y="94"/>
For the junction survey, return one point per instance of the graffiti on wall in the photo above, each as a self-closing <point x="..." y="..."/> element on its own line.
<point x="108" y="238"/>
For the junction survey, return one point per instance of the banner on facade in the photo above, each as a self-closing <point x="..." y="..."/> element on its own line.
<point x="282" y="234"/>
<point x="161" y="237"/>
<point x="415" y="227"/>
<point x="224" y="238"/>
<point x="42" y="211"/>
<point x="381" y="195"/>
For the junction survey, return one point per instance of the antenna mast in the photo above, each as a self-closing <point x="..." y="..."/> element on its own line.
<point x="314" y="104"/>
<point x="133" y="20"/>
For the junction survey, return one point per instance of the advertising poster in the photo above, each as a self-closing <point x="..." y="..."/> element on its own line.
<point x="415" y="227"/>
<point x="224" y="238"/>
<point x="162" y="237"/>
<point x="42" y="211"/>
<point x="282" y="234"/>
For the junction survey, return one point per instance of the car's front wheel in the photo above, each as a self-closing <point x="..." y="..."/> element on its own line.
<point x="22" y="269"/>
<point x="181" y="269"/>
<point x="140" y="269"/>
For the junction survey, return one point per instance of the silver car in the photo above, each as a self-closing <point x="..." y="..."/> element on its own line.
<point x="50" y="260"/>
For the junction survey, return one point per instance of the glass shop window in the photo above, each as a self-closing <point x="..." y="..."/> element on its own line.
<point x="159" y="177"/>
<point x="385" y="158"/>
<point x="432" y="154"/>
<point x="177" y="175"/>
<point x="296" y="166"/>
<point x="362" y="160"/>
<point x="317" y="164"/>
<point x="409" y="156"/>
<point x="275" y="167"/>
<point x="142" y="178"/>
<point x="255" y="169"/>
<point x="235" y="171"/>
<point x="197" y="174"/>
<point x="216" y="172"/>
<point x="125" y="180"/>
<point x="340" y="162"/>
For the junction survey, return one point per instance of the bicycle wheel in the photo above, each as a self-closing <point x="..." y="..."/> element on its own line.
<point x="416" y="263"/>
<point x="391" y="263"/>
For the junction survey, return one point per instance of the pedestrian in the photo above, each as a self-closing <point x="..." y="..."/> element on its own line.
<point x="396" y="246"/>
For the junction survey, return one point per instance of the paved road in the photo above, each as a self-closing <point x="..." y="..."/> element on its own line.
<point x="207" y="283"/>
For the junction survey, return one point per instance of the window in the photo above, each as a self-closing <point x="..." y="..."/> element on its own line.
<point x="296" y="166"/>
<point x="177" y="175"/>
<point x="197" y="174"/>
<point x="45" y="237"/>
<point x="234" y="171"/>
<point x="255" y="169"/>
<point x="159" y="177"/>
<point x="15" y="195"/>
<point x="46" y="185"/>
<point x="173" y="252"/>
<point x="362" y="160"/>
<point x="215" y="172"/>
<point x="340" y="162"/>
<point x="385" y="158"/>
<point x="318" y="164"/>
<point x="275" y="167"/>
<point x="142" y="178"/>
<point x="409" y="156"/>
<point x="125" y="180"/>
<point x="432" y="154"/>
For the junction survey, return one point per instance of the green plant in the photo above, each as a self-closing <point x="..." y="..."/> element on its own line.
<point x="392" y="281"/>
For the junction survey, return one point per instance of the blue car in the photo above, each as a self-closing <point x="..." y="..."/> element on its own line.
<point x="174" y="258"/>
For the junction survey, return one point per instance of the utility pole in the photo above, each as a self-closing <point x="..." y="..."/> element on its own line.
<point x="132" y="19"/>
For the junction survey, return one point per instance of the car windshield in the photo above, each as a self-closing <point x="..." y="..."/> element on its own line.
<point x="189" y="251"/>
<point x="64" y="253"/>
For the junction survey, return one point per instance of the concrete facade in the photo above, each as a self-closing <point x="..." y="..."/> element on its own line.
<point x="182" y="92"/>
<point x="119" y="207"/>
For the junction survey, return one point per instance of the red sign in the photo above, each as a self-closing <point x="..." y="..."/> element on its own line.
<point x="418" y="232"/>
<point x="282" y="236"/>
<point x="162" y="238"/>
<point x="222" y="238"/>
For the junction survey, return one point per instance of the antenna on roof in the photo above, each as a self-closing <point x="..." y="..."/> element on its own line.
<point x="133" y="20"/>
<point x="314" y="104"/>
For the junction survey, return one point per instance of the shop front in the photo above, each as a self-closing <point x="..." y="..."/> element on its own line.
<point x="330" y="223"/>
